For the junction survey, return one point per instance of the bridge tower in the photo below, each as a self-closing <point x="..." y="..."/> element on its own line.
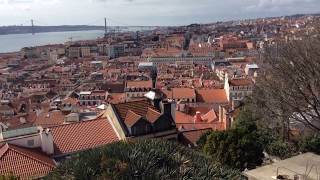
<point x="105" y="28"/>
<point x="32" y="27"/>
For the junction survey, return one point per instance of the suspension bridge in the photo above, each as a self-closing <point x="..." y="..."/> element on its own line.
<point x="107" y="24"/>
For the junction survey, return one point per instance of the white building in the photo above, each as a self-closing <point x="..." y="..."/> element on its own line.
<point x="31" y="137"/>
<point x="173" y="60"/>
<point x="238" y="88"/>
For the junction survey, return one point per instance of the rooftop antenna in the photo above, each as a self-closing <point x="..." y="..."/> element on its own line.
<point x="32" y="27"/>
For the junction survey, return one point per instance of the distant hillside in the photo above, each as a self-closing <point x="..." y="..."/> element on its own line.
<point x="39" y="29"/>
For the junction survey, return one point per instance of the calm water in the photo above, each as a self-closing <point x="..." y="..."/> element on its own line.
<point x="14" y="42"/>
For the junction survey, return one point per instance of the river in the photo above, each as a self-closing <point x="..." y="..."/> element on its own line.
<point x="14" y="42"/>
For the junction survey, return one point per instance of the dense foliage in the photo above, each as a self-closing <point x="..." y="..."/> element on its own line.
<point x="281" y="149"/>
<point x="8" y="177"/>
<point x="239" y="147"/>
<point x="145" y="159"/>
<point x="310" y="144"/>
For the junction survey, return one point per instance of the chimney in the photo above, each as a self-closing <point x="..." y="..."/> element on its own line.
<point x="197" y="117"/>
<point x="168" y="109"/>
<point x="46" y="141"/>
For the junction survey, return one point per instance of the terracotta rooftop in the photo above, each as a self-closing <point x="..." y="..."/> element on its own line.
<point x="138" y="107"/>
<point x="116" y="98"/>
<point x="182" y="118"/>
<point x="179" y="93"/>
<point x="212" y="96"/>
<point x="131" y="118"/>
<point x="152" y="115"/>
<point x="23" y="162"/>
<point x="210" y="116"/>
<point x="131" y="112"/>
<point x="161" y="52"/>
<point x="20" y="120"/>
<point x="49" y="119"/>
<point x="113" y="87"/>
<point x="185" y="122"/>
<point x="81" y="136"/>
<point x="139" y="84"/>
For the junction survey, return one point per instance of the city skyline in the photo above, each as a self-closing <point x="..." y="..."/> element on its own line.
<point x="145" y="12"/>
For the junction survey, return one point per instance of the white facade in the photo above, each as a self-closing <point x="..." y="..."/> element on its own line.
<point x="237" y="92"/>
<point x="174" y="60"/>
<point x="33" y="137"/>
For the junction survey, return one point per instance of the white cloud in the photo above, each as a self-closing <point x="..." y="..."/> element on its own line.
<point x="148" y="12"/>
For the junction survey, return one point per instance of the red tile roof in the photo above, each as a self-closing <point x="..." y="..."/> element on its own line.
<point x="179" y="93"/>
<point x="139" y="107"/>
<point x="182" y="118"/>
<point x="210" y="116"/>
<point x="131" y="118"/>
<point x="20" y="120"/>
<point x="139" y="84"/>
<point x="185" y="122"/>
<point x="81" y="136"/>
<point x="115" y="98"/>
<point x="212" y="96"/>
<point x="152" y="115"/>
<point x="23" y="162"/>
<point x="49" y="119"/>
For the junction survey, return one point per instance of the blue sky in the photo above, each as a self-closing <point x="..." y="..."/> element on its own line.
<point x="146" y="12"/>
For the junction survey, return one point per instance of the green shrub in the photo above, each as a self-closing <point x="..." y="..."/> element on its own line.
<point x="311" y="144"/>
<point x="8" y="177"/>
<point x="144" y="159"/>
<point x="235" y="148"/>
<point x="281" y="149"/>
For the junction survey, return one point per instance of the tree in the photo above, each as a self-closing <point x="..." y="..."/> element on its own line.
<point x="288" y="90"/>
<point x="234" y="148"/>
<point x="144" y="159"/>
<point x="239" y="147"/>
<point x="246" y="120"/>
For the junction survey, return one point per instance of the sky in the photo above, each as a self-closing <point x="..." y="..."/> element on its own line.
<point x="145" y="12"/>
